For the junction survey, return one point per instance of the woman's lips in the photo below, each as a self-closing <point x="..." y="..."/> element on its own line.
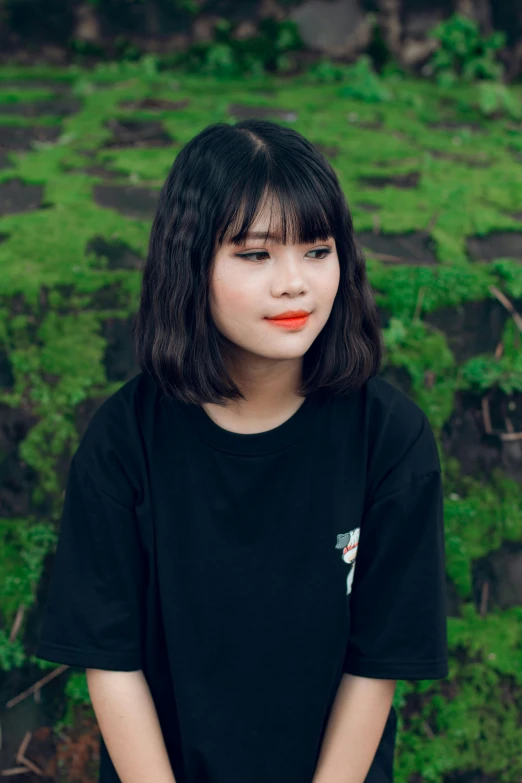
<point x="289" y="323"/>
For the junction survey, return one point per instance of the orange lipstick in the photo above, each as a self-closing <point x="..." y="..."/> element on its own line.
<point x="290" y="319"/>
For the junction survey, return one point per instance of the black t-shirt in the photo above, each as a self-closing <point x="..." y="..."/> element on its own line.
<point x="244" y="573"/>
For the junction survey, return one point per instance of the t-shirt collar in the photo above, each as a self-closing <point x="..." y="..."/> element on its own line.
<point x="258" y="443"/>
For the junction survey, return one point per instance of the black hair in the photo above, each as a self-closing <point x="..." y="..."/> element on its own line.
<point x="215" y="189"/>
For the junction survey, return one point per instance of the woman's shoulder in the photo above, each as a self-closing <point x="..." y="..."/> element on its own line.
<point x="389" y="406"/>
<point x="400" y="436"/>
<point x="112" y="430"/>
<point x="119" y="407"/>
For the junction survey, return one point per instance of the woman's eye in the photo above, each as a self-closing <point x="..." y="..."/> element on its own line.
<point x="251" y="256"/>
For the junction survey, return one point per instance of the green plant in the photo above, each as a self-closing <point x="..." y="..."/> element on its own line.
<point x="327" y="71"/>
<point x="485" y="372"/>
<point x="77" y="689"/>
<point x="497" y="99"/>
<point x="85" y="48"/>
<point x="363" y="83"/>
<point x="146" y="66"/>
<point x="463" y="54"/>
<point x="359" y="79"/>
<point x="78" y="701"/>
<point x="12" y="653"/>
<point x="126" y="50"/>
<point x="230" y="57"/>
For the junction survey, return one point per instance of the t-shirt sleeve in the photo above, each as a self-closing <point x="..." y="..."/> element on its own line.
<point x="398" y="609"/>
<point x="94" y="604"/>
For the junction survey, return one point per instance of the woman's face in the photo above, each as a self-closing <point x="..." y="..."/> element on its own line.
<point x="247" y="290"/>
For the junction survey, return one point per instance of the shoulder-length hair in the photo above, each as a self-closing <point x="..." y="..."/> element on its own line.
<point x="215" y="189"/>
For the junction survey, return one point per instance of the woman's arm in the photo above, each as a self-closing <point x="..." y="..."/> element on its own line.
<point x="129" y="724"/>
<point x="354" y="730"/>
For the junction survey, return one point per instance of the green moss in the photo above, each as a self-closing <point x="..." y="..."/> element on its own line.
<point x="12" y="653"/>
<point x="478" y="521"/>
<point x="23" y="548"/>
<point x="429" y="362"/>
<point x="487" y="372"/>
<point x="475" y="729"/>
<point x="509" y="271"/>
<point x="14" y="96"/>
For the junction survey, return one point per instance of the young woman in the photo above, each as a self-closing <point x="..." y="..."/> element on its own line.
<point x="251" y="551"/>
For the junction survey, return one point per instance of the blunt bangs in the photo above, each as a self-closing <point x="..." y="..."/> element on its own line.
<point x="221" y="181"/>
<point x="302" y="205"/>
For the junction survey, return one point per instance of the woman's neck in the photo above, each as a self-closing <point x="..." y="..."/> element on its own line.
<point x="271" y="398"/>
<point x="248" y="419"/>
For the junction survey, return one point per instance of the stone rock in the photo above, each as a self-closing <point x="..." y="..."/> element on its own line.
<point x="417" y="51"/>
<point x="87" y="24"/>
<point x="271" y="9"/>
<point x="477" y="9"/>
<point x="416" y="47"/>
<point x="503" y="572"/>
<point x="17" y="196"/>
<point x="203" y="28"/>
<point x="246" y="29"/>
<point x="338" y="28"/>
<point x="418" y="22"/>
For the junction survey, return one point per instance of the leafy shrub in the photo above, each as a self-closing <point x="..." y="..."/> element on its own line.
<point x="364" y="83"/>
<point x="463" y="53"/>
<point x="358" y="80"/>
<point x="498" y="100"/>
<point x="327" y="71"/>
<point x="227" y="56"/>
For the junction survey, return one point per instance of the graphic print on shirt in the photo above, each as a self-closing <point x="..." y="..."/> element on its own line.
<point x="349" y="542"/>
